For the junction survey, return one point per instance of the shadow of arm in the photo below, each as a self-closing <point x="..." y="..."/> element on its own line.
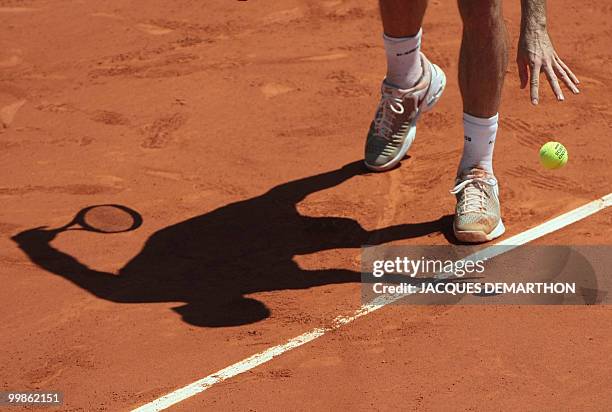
<point x="410" y="230"/>
<point x="297" y="190"/>
<point x="36" y="244"/>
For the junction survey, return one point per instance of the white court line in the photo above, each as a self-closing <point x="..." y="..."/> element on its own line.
<point x="267" y="355"/>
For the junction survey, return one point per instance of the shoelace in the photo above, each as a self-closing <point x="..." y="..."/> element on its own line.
<point x="474" y="198"/>
<point x="389" y="107"/>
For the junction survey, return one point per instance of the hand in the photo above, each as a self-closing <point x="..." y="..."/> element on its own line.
<point x="535" y="54"/>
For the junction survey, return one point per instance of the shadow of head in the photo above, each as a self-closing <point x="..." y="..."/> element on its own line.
<point x="241" y="311"/>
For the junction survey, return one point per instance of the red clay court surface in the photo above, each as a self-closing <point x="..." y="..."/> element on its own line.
<point x="236" y="129"/>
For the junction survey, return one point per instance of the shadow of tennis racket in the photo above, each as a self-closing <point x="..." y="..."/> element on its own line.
<point x="107" y="218"/>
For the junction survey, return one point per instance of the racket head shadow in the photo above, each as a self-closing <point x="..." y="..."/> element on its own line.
<point x="108" y="218"/>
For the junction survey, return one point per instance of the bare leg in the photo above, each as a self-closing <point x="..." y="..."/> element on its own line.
<point x="484" y="56"/>
<point x="402" y="18"/>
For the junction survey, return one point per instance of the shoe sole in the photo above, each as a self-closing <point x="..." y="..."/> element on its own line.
<point x="467" y="236"/>
<point x="410" y="136"/>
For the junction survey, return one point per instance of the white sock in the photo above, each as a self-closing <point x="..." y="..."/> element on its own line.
<point x="479" y="142"/>
<point x="403" y="60"/>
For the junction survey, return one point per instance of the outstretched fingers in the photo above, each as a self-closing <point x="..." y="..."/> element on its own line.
<point x="554" y="82"/>
<point x="570" y="80"/>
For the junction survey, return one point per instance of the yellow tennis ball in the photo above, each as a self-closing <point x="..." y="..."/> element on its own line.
<point x="553" y="155"/>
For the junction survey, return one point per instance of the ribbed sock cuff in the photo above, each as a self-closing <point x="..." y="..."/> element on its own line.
<point x="400" y="39"/>
<point x="481" y="121"/>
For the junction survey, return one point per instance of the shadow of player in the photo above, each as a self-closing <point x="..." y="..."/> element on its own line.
<point x="210" y="262"/>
